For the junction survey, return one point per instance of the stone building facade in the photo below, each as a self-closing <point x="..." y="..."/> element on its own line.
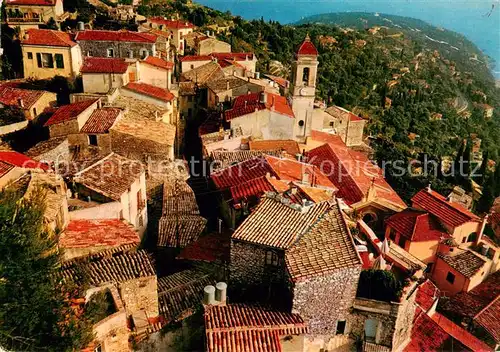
<point x="122" y="44"/>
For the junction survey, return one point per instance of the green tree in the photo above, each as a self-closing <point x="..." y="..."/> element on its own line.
<point x="35" y="311"/>
<point x="488" y="196"/>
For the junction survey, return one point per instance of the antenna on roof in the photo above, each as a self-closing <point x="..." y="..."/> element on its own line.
<point x="429" y="188"/>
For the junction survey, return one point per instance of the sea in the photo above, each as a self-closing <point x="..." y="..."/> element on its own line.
<point x="478" y="20"/>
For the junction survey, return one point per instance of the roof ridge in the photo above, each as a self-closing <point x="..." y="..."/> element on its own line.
<point x="487" y="306"/>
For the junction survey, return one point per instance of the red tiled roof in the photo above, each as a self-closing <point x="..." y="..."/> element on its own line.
<point x="288" y="145"/>
<point x="220" y="57"/>
<point x="350" y="171"/>
<point x="283" y="169"/>
<point x="98" y="233"/>
<point x="488" y="319"/>
<point x="104" y="65"/>
<point x="176" y="24"/>
<point x="307" y="48"/>
<point x="427" y="294"/>
<point x="417" y="226"/>
<point x="16" y="159"/>
<point x="237" y="327"/>
<point x="69" y="112"/>
<point x="149" y="90"/>
<point x="278" y="225"/>
<point x="10" y="96"/>
<point x="428" y="336"/>
<point x="460" y="334"/>
<point x="253" y="188"/>
<point x="449" y="213"/>
<point x="116" y="36"/>
<point x="325" y="248"/>
<point x="209" y="248"/>
<point x="158" y="62"/>
<point x="47" y="37"/>
<point x="248" y="103"/>
<point x="31" y="2"/>
<point x="471" y="303"/>
<point x="101" y="120"/>
<point x="281" y="81"/>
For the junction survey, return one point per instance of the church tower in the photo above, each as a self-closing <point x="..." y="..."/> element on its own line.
<point x="303" y="90"/>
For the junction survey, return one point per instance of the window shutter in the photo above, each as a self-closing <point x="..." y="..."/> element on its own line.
<point x="39" y="59"/>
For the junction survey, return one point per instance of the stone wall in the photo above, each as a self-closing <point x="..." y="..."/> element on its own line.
<point x="248" y="265"/>
<point x="121" y="49"/>
<point x="324" y="300"/>
<point x="82" y="140"/>
<point x="140" y="294"/>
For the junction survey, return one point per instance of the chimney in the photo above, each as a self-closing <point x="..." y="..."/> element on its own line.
<point x="245" y="103"/>
<point x="483" y="226"/>
<point x="257" y="75"/>
<point x="20" y="102"/>
<point x="221" y="292"/>
<point x="429" y="188"/>
<point x="305" y="177"/>
<point x="209" y="295"/>
<point x="81" y="26"/>
<point x="207" y="33"/>
<point x="227" y="85"/>
<point x="263" y="98"/>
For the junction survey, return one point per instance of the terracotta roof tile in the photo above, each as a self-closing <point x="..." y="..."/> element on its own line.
<point x="289" y="146"/>
<point x="116" y="36"/>
<point x="47" y="37"/>
<point x="114" y="266"/>
<point x="417" y="226"/>
<point x="326" y="247"/>
<point x="5" y="168"/>
<point x="101" y="120"/>
<point x="220" y="56"/>
<point x="69" y="112"/>
<point x="104" y="65"/>
<point x="151" y="91"/>
<point x="340" y="113"/>
<point x="145" y="128"/>
<point x="10" y="96"/>
<point x="460" y="334"/>
<point x="465" y="262"/>
<point x="351" y="172"/>
<point x="181" y="293"/>
<point x="255" y="188"/>
<point x="31" y="2"/>
<point x="98" y="233"/>
<point x="237" y="327"/>
<point x="111" y="176"/>
<point x="427" y="294"/>
<point x="248" y="103"/>
<point x="428" y="336"/>
<point x="173" y="24"/>
<point x="307" y="48"/>
<point x="180" y="223"/>
<point x="210" y="248"/>
<point x="226" y="83"/>
<point x="278" y="225"/>
<point x="488" y="319"/>
<point x="223" y="159"/>
<point x="204" y="73"/>
<point x="16" y="159"/>
<point x="470" y="304"/>
<point x="158" y="62"/>
<point x="449" y="213"/>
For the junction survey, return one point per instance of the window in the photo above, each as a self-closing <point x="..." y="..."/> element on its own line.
<point x="305" y="75"/>
<point x="47" y="61"/>
<point x="30" y="56"/>
<point x="402" y="242"/>
<point x="144" y="53"/>
<point x="192" y="67"/>
<point x="464" y="239"/>
<point x="429" y="268"/>
<point x="39" y="59"/>
<point x="332" y="123"/>
<point x="111" y="52"/>
<point x="392" y="235"/>
<point x="450" y="278"/>
<point x="93" y="140"/>
<point x="301" y="123"/>
<point x="472" y="237"/>
<point x="341" y="327"/>
<point x="271" y="258"/>
<point x="34" y="112"/>
<point x="59" y="60"/>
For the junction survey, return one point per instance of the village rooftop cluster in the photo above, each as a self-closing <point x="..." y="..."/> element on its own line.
<point x="279" y="241"/>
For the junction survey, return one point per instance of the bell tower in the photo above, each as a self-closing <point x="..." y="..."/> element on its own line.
<point x="303" y="90"/>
